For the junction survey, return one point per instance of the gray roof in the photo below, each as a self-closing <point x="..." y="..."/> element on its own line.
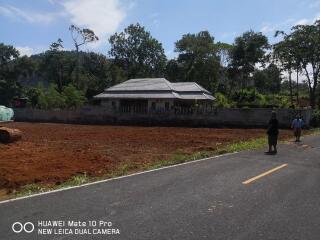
<point x="188" y="87"/>
<point x="142" y="95"/>
<point x="149" y="84"/>
<point x="156" y="88"/>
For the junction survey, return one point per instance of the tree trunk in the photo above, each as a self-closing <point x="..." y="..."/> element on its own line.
<point x="312" y="89"/>
<point x="78" y="65"/>
<point x="290" y="87"/>
<point x="312" y="99"/>
<point x="297" y="87"/>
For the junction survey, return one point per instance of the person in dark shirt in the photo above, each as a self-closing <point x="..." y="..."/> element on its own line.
<point x="273" y="132"/>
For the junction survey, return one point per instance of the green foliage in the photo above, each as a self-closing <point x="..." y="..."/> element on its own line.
<point x="197" y="59"/>
<point x="248" y="50"/>
<point x="268" y="80"/>
<point x="221" y="101"/>
<point x="8" y="90"/>
<point x="33" y="95"/>
<point x="73" y="98"/>
<point x="137" y="52"/>
<point x="244" y="145"/>
<point x="315" y="121"/>
<point x="277" y="100"/>
<point x="7" y="53"/>
<point x="249" y="97"/>
<point x="300" y="51"/>
<point x="225" y="70"/>
<point x="9" y="86"/>
<point x="50" y="98"/>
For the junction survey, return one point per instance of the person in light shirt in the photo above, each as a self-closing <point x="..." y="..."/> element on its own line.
<point x="297" y="125"/>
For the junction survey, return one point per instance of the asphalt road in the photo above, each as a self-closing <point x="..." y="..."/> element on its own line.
<point x="201" y="200"/>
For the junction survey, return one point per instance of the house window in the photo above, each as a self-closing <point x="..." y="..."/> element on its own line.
<point x="166" y="106"/>
<point x="113" y="104"/>
<point x="153" y="106"/>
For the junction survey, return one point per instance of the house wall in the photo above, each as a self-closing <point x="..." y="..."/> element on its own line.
<point x="160" y="104"/>
<point x="214" y="118"/>
<point x="108" y="104"/>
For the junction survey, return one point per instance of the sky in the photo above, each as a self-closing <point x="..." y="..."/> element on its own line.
<point x="32" y="25"/>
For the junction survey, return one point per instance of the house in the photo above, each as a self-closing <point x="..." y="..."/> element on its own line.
<point x="148" y="95"/>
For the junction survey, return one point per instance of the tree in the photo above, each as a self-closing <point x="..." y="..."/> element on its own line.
<point x="137" y="52"/>
<point x="33" y="94"/>
<point x="81" y="36"/>
<point x="174" y="71"/>
<point x="300" y="50"/>
<point x="268" y="80"/>
<point x="225" y="84"/>
<point x="224" y="51"/>
<point x="54" y="65"/>
<point x="198" y="59"/>
<point x="73" y="97"/>
<point x="284" y="53"/>
<point x="97" y="71"/>
<point x="307" y="39"/>
<point x="9" y="86"/>
<point x="248" y="50"/>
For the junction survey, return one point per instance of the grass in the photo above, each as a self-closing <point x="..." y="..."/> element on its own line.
<point x="125" y="169"/>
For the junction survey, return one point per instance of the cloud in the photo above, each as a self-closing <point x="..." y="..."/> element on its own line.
<point x="25" y="51"/>
<point x="29" y="16"/>
<point x="272" y="28"/>
<point x="302" y="21"/>
<point x="305" y="21"/>
<point x="102" y="16"/>
<point x="154" y="17"/>
<point x="315" y="4"/>
<point x="268" y="29"/>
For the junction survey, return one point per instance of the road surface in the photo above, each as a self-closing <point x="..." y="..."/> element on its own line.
<point x="247" y="195"/>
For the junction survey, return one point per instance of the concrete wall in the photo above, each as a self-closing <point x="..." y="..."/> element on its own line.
<point x="215" y="118"/>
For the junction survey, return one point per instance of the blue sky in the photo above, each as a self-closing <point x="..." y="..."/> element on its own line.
<point x="31" y="25"/>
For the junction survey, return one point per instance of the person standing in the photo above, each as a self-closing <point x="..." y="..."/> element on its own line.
<point x="273" y="132"/>
<point x="297" y="125"/>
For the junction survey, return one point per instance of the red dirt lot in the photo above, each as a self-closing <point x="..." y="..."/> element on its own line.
<point x="53" y="153"/>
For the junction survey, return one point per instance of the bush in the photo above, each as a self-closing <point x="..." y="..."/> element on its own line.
<point x="249" y="97"/>
<point x="54" y="98"/>
<point x="315" y="120"/>
<point x="221" y="101"/>
<point x="70" y="97"/>
<point x="280" y="101"/>
<point x="73" y="97"/>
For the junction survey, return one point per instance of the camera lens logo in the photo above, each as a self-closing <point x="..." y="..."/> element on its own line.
<point x="18" y="227"/>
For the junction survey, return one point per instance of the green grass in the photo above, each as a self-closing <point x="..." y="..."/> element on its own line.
<point x="127" y="168"/>
<point x="246" y="145"/>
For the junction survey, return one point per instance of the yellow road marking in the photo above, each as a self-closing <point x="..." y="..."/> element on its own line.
<point x="264" y="174"/>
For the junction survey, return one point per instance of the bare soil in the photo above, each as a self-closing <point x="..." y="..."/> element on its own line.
<point x="53" y="153"/>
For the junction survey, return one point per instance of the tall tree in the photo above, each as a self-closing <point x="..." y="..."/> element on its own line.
<point x="174" y="71"/>
<point x="307" y="40"/>
<point x="9" y="86"/>
<point x="268" y="80"/>
<point x="53" y="63"/>
<point x="81" y="36"/>
<point x="198" y="59"/>
<point x="284" y="54"/>
<point x="248" y="50"/>
<point x="137" y="52"/>
<point x="224" y="51"/>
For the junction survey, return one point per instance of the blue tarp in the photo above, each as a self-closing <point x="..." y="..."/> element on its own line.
<point x="6" y="114"/>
